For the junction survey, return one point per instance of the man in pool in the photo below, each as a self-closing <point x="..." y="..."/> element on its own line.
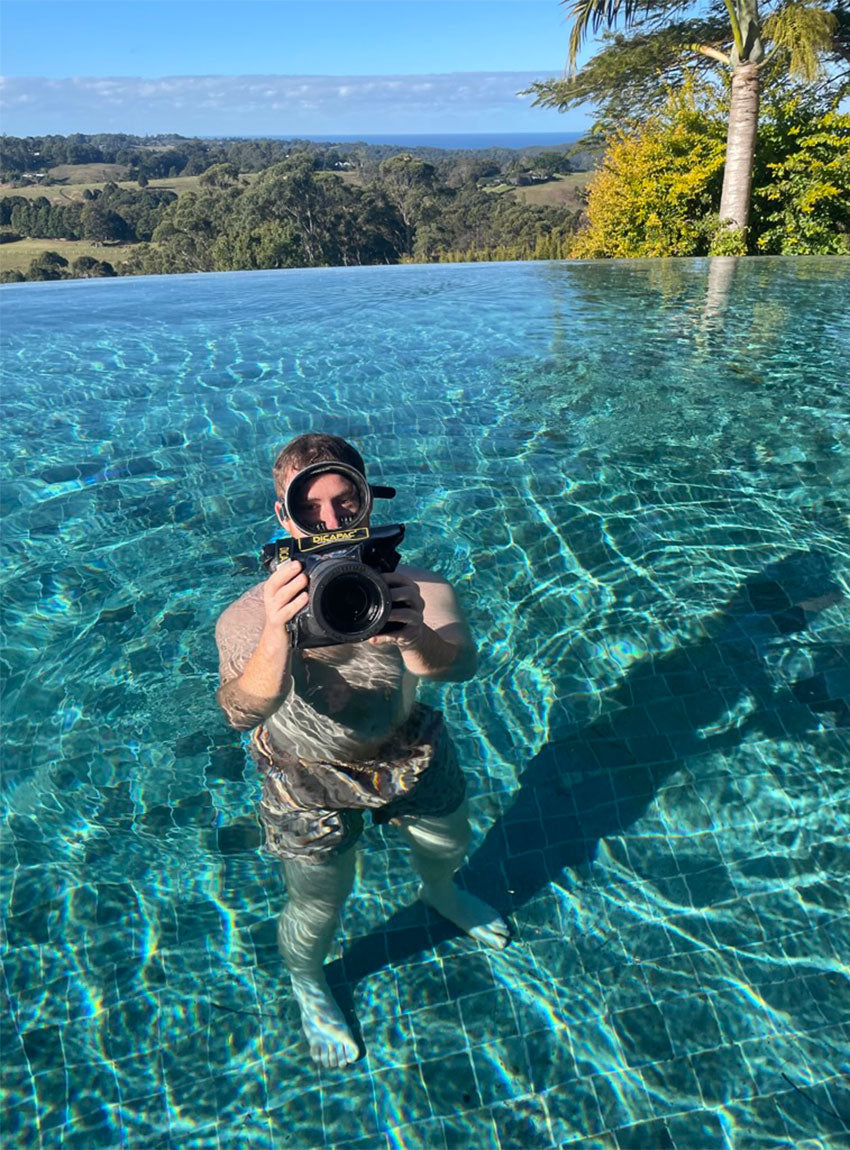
<point x="337" y="731"/>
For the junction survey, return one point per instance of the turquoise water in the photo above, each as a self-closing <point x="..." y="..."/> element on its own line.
<point x="636" y="475"/>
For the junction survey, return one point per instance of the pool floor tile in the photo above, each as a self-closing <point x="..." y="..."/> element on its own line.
<point x="451" y="1085"/>
<point x="501" y="1069"/>
<point x="474" y="1128"/>
<point x="401" y="1098"/>
<point x="573" y="1111"/>
<point x="652" y="1135"/>
<point x="521" y="1122"/>
<point x="694" y="1129"/>
<point x="438" y="1031"/>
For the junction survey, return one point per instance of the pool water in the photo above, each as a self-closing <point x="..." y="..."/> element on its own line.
<point x="637" y="476"/>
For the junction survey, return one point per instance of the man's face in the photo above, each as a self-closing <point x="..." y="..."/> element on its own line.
<point x="327" y="503"/>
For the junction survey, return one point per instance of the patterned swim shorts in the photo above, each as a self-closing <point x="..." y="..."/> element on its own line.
<point x="312" y="811"/>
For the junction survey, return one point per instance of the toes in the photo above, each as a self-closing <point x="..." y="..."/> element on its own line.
<point x="333" y="1057"/>
<point x="494" y="934"/>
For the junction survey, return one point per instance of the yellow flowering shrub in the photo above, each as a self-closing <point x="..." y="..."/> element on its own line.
<point x="658" y="186"/>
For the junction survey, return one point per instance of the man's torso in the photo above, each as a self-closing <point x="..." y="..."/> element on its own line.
<point x="344" y="702"/>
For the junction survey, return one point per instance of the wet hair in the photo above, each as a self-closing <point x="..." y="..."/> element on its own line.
<point x="313" y="447"/>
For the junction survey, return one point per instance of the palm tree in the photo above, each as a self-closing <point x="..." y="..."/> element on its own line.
<point x="799" y="34"/>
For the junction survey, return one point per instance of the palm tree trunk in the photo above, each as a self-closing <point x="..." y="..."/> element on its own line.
<point x="740" y="146"/>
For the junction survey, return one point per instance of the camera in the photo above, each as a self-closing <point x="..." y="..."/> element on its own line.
<point x="349" y="601"/>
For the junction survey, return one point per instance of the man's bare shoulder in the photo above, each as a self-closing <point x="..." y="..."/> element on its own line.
<point x="244" y="610"/>
<point x="423" y="576"/>
<point x="238" y="631"/>
<point x="442" y="610"/>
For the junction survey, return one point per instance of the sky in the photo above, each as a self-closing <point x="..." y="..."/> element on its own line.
<point x="279" y="67"/>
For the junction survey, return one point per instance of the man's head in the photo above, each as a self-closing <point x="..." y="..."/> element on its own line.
<point x="331" y="498"/>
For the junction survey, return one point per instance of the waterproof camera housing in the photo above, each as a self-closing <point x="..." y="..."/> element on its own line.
<point x="349" y="602"/>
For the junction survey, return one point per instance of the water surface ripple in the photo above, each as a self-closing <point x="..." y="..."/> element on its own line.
<point x="637" y="475"/>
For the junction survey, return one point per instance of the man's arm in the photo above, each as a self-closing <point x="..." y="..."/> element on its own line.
<point x="433" y="638"/>
<point x="249" y="696"/>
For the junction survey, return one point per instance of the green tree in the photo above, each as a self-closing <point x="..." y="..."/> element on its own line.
<point x="802" y="181"/>
<point x="47" y="266"/>
<point x="408" y="183"/>
<point x="658" y="188"/>
<point x="188" y="230"/>
<point x="87" y="267"/>
<point x="329" y="222"/>
<point x="667" y="36"/>
<point x="268" y="244"/>
<point x="219" y="176"/>
<point x="100" y="224"/>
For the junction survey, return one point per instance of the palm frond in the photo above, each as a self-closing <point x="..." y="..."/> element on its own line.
<point x="804" y="33"/>
<point x="595" y="14"/>
<point x="631" y="75"/>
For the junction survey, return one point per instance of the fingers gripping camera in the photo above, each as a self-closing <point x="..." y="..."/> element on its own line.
<point x="348" y="602"/>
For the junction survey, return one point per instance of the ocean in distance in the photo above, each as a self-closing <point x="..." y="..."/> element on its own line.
<point x="453" y="140"/>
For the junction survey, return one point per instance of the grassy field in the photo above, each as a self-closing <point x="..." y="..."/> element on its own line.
<point x="18" y="256"/>
<point x="562" y="192"/>
<point x="88" y="173"/>
<point x="65" y="193"/>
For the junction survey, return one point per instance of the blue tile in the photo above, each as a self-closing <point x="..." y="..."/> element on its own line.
<point x="643" y="1034"/>
<point x="652" y="1135"/>
<point x="695" y="1128"/>
<point x="451" y="1085"/>
<point x="502" y="1070"/>
<point x="573" y="1111"/>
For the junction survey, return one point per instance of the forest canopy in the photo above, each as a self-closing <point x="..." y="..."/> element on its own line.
<point x="249" y="204"/>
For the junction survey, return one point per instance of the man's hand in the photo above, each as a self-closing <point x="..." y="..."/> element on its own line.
<point x="284" y="595"/>
<point x="431" y="635"/>
<point x="407" y="613"/>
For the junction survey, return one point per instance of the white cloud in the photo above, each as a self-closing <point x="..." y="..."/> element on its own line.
<point x="243" y="105"/>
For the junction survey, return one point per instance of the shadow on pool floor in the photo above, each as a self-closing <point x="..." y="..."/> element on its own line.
<point x="599" y="781"/>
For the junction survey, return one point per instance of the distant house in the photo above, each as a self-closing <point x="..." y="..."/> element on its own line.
<point x="524" y="179"/>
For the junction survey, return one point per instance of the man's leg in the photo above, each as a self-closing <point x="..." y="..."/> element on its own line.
<point x="307" y="925"/>
<point x="438" y="846"/>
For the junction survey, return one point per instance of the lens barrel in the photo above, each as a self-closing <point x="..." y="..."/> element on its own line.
<point x="348" y="600"/>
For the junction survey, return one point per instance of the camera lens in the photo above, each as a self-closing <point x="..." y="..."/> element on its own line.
<point x="349" y="601"/>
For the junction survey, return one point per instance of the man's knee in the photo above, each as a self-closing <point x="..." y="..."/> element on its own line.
<point x="326" y="881"/>
<point x="446" y="835"/>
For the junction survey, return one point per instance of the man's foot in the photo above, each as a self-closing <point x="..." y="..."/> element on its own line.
<point x="331" y="1042"/>
<point x="472" y="915"/>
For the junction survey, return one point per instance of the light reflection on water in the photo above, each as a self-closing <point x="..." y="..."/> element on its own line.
<point x="599" y="456"/>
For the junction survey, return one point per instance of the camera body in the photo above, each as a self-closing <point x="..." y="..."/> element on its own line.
<point x="349" y="602"/>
